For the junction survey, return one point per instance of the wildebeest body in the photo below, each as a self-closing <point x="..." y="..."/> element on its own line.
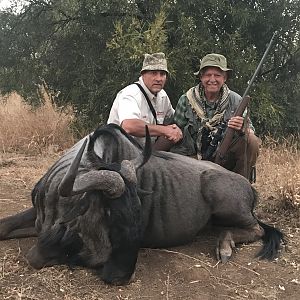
<point x="184" y="201"/>
<point x="174" y="198"/>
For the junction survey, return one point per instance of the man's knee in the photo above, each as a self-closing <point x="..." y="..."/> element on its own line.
<point x="253" y="144"/>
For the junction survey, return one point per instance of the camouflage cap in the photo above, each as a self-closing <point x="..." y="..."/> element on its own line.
<point x="155" y="62"/>
<point x="214" y="60"/>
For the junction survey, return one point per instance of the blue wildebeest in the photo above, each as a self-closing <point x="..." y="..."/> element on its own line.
<point x="98" y="204"/>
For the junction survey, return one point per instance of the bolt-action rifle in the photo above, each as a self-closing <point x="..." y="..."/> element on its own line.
<point x="224" y="145"/>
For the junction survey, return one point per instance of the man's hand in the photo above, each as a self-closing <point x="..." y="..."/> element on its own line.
<point x="236" y="123"/>
<point x="136" y="128"/>
<point x="173" y="133"/>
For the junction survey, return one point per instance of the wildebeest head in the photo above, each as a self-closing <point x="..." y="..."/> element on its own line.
<point x="99" y="215"/>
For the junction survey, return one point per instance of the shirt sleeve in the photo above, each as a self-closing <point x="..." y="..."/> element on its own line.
<point x="180" y="110"/>
<point x="128" y="108"/>
<point x="170" y="110"/>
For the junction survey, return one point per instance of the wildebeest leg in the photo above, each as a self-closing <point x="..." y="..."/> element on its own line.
<point x="228" y="239"/>
<point x="18" y="226"/>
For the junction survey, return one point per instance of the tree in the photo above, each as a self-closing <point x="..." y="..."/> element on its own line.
<point x="86" y="51"/>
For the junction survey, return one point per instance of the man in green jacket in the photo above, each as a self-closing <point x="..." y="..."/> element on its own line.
<point x="203" y="108"/>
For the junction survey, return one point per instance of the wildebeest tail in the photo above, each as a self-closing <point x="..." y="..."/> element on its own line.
<point x="272" y="239"/>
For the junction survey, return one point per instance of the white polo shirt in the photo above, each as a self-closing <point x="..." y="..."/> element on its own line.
<point x="130" y="103"/>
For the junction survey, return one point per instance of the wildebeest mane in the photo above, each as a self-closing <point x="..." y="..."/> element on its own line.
<point x="163" y="154"/>
<point x="112" y="130"/>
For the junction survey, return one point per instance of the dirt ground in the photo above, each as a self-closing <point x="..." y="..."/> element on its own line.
<point x="186" y="272"/>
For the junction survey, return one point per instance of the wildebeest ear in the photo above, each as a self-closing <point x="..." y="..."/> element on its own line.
<point x="128" y="171"/>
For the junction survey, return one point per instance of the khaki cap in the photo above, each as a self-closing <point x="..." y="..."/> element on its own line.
<point x="155" y="62"/>
<point x="214" y="60"/>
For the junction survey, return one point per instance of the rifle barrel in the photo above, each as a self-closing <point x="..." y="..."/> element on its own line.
<point x="260" y="64"/>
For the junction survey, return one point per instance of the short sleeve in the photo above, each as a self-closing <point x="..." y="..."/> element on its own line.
<point x="128" y="108"/>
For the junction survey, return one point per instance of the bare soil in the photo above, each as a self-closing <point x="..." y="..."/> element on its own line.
<point x="186" y="272"/>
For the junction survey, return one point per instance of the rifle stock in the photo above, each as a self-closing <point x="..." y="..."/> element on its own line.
<point x="229" y="133"/>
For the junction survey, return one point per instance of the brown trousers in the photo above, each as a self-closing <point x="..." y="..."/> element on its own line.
<point x="242" y="154"/>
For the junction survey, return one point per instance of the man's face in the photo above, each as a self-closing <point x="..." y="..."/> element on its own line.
<point x="154" y="80"/>
<point x="212" y="79"/>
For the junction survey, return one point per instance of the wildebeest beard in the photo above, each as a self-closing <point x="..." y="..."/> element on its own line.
<point x="62" y="243"/>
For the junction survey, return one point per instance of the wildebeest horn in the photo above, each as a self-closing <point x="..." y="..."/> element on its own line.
<point x="129" y="168"/>
<point x="108" y="181"/>
<point x="139" y="161"/>
<point x="65" y="188"/>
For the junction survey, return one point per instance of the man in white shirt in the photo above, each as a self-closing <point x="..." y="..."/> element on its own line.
<point x="132" y="111"/>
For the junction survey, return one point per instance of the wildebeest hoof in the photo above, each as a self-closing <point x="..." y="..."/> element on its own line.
<point x="225" y="256"/>
<point x="225" y="247"/>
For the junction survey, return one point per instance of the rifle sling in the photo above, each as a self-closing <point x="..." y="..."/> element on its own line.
<point x="148" y="101"/>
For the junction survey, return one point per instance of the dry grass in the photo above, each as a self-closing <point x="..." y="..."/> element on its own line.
<point x="29" y="131"/>
<point x="278" y="179"/>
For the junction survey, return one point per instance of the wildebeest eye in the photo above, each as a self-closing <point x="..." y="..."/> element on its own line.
<point x="107" y="212"/>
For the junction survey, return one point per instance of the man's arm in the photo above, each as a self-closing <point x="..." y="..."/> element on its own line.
<point x="136" y="128"/>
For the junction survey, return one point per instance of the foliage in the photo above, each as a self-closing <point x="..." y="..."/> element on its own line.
<point x="88" y="50"/>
